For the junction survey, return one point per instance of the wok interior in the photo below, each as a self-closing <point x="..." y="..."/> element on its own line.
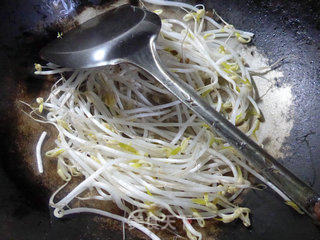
<point x="282" y="28"/>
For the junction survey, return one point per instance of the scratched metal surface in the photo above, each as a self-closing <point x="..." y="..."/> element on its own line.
<point x="282" y="28"/>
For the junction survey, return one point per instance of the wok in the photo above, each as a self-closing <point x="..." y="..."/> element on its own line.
<point x="283" y="28"/>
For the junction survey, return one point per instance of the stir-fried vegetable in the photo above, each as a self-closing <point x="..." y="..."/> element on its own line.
<point x="138" y="146"/>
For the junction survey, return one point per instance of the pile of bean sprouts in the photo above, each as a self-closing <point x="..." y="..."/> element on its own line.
<point x="138" y="146"/>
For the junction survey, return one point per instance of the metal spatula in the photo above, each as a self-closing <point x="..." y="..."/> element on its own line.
<point x="128" y="34"/>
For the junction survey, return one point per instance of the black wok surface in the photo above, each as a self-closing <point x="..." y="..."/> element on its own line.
<point x="282" y="28"/>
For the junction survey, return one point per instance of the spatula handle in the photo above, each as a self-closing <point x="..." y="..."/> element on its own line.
<point x="299" y="192"/>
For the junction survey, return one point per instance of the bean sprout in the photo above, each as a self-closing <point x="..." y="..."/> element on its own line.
<point x="137" y="146"/>
<point x="38" y="152"/>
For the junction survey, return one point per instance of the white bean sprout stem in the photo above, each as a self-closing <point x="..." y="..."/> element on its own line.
<point x="38" y="152"/>
<point x="138" y="146"/>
